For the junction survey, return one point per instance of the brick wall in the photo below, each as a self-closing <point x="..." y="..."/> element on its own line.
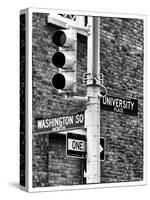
<point x="122" y="65"/>
<point x="121" y="59"/>
<point x="47" y="102"/>
<point x="40" y="160"/>
<point x="63" y="170"/>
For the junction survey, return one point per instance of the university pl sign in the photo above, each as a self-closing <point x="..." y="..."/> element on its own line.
<point x="61" y="123"/>
<point x="120" y="105"/>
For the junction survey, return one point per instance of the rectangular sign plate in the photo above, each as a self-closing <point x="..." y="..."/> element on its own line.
<point x="120" y="105"/>
<point x="76" y="145"/>
<point x="60" y="123"/>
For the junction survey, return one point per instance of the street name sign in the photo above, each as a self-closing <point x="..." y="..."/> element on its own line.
<point x="119" y="105"/>
<point x="60" y="123"/>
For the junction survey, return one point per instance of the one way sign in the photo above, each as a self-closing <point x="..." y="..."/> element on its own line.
<point x="102" y="149"/>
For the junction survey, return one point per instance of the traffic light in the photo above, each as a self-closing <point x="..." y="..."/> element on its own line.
<point x="65" y="59"/>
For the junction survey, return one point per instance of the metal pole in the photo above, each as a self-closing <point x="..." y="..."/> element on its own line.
<point x="93" y="105"/>
<point x="95" y="38"/>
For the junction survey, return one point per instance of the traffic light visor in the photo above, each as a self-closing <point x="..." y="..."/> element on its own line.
<point x="59" y="38"/>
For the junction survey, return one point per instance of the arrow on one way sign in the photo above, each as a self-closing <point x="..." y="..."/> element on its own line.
<point x="102" y="149"/>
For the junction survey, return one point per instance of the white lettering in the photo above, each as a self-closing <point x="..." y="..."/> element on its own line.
<point x="46" y="123"/>
<point x="113" y="101"/>
<point x="132" y="104"/>
<point x="124" y="104"/>
<point x="39" y="123"/>
<point x="79" y="119"/>
<point x="104" y="100"/>
<point x="118" y="109"/>
<point x="118" y="103"/>
<point x="56" y="122"/>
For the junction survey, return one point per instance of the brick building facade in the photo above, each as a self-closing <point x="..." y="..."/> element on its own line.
<point x="121" y="62"/>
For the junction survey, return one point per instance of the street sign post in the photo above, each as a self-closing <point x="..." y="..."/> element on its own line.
<point x="93" y="104"/>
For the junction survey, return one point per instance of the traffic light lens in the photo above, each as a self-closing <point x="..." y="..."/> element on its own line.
<point x="58" y="59"/>
<point x="59" y="38"/>
<point x="58" y="81"/>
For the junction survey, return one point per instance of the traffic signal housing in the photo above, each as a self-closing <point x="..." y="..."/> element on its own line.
<point x="65" y="59"/>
